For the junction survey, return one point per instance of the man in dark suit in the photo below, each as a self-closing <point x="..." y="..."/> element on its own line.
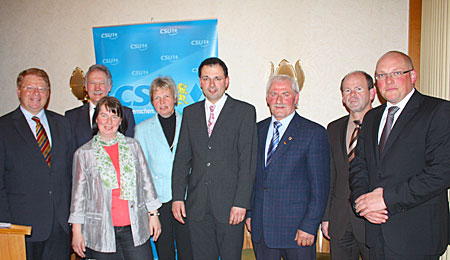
<point x="36" y="148"/>
<point x="215" y="160"/>
<point x="340" y="224"/>
<point x="401" y="172"/>
<point x="292" y="178"/>
<point x="98" y="83"/>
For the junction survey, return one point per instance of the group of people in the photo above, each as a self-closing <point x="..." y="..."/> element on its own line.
<point x="375" y="181"/>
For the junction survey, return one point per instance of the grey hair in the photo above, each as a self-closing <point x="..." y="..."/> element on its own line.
<point x="99" y="67"/>
<point x="273" y="79"/>
<point x="164" y="82"/>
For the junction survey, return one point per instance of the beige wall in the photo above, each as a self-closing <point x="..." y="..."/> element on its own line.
<point x="331" y="37"/>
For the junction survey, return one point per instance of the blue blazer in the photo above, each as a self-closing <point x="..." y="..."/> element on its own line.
<point x="158" y="154"/>
<point x="292" y="192"/>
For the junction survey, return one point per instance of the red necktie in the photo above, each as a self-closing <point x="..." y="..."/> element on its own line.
<point x="42" y="139"/>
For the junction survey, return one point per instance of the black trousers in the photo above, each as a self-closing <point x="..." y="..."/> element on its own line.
<point x="57" y="246"/>
<point x="174" y="235"/>
<point x="348" y="247"/>
<point x="211" y="238"/>
<point x="381" y="251"/>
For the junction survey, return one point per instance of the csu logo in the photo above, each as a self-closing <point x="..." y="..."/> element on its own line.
<point x="139" y="72"/>
<point x="110" y="61"/>
<point x="111" y="36"/>
<point x="139" y="46"/>
<point x="201" y="43"/>
<point x="168" y="30"/>
<point x="171" y="58"/>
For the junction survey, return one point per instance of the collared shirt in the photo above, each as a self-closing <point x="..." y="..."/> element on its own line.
<point x="401" y="105"/>
<point x="32" y="124"/>
<point x="217" y="109"/>
<point x="91" y="112"/>
<point x="284" y="125"/>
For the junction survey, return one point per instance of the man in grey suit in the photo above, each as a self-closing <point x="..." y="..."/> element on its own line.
<point x="98" y="83"/>
<point x="340" y="224"/>
<point x="36" y="148"/>
<point x="215" y="161"/>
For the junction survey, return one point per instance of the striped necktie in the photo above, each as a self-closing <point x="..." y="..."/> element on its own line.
<point x="211" y="120"/>
<point x="274" y="143"/>
<point x="353" y="141"/>
<point x="42" y="140"/>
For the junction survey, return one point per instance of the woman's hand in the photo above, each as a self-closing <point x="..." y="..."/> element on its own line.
<point x="78" y="240"/>
<point x="155" y="225"/>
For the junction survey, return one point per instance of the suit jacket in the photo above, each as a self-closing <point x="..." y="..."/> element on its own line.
<point x="31" y="192"/>
<point x="339" y="209"/>
<point x="220" y="168"/>
<point x="292" y="192"/>
<point x="81" y="125"/>
<point x="158" y="154"/>
<point x="414" y="171"/>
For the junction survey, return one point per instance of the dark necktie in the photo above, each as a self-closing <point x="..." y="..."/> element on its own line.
<point x="42" y="140"/>
<point x="387" y="128"/>
<point x="353" y="141"/>
<point x="274" y="143"/>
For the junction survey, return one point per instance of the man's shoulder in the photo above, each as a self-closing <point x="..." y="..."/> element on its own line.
<point x="74" y="111"/>
<point x="337" y="123"/>
<point x="240" y="104"/>
<point x="305" y="123"/>
<point x="8" y="116"/>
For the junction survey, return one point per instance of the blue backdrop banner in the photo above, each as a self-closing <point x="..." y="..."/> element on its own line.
<point x="137" y="54"/>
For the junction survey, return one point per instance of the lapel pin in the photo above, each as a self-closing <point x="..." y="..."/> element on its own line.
<point x="290" y="138"/>
<point x="284" y="142"/>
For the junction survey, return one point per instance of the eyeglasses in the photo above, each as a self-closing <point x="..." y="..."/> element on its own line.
<point x="31" y="89"/>
<point x="100" y="83"/>
<point x="216" y="79"/>
<point x="348" y="91"/>
<point x="394" y="75"/>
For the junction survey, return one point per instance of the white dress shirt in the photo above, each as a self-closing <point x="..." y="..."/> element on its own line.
<point x="284" y="125"/>
<point x="32" y="124"/>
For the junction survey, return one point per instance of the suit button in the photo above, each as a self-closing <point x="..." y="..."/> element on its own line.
<point x="50" y="193"/>
<point x="208" y="164"/>
<point x="209" y="147"/>
<point x="206" y="182"/>
<point x="51" y="173"/>
<point x="266" y="189"/>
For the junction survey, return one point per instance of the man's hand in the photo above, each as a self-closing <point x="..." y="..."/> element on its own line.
<point x="324" y="228"/>
<point x="370" y="202"/>
<point x="304" y="239"/>
<point x="178" y="211"/>
<point x="377" y="217"/>
<point x="237" y="215"/>
<point x="248" y="223"/>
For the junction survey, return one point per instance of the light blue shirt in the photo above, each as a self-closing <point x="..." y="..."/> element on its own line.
<point x="150" y="135"/>
<point x="32" y="124"/>
<point x="284" y="125"/>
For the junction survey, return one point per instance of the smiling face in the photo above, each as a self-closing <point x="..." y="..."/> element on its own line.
<point x="97" y="85"/>
<point x="356" y="94"/>
<point x="163" y="101"/>
<point x="108" y="123"/>
<point x="281" y="99"/>
<point x="395" y="89"/>
<point x="213" y="82"/>
<point x="33" y="93"/>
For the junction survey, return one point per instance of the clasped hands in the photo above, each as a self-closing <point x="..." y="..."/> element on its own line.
<point x="372" y="207"/>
